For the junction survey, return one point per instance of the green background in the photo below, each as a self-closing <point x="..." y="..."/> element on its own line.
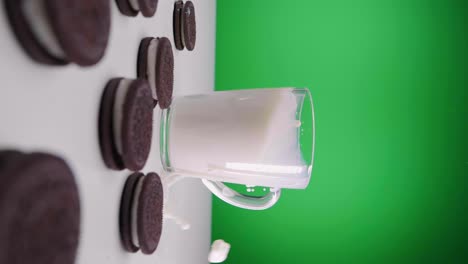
<point x="389" y="80"/>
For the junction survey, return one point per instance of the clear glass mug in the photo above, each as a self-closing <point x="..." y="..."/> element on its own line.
<point x="258" y="137"/>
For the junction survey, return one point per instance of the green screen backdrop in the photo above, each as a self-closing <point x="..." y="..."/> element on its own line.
<point x="389" y="80"/>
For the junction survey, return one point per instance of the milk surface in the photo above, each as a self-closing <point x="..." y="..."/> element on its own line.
<point x="245" y="136"/>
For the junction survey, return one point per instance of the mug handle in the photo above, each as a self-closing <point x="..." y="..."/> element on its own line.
<point x="240" y="200"/>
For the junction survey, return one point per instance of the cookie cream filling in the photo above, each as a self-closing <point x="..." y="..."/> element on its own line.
<point x="135" y="5"/>
<point x="151" y="67"/>
<point x="38" y="20"/>
<point x="119" y="101"/>
<point x="134" y="216"/>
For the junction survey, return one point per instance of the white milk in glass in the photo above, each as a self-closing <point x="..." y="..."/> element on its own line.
<point x="246" y="137"/>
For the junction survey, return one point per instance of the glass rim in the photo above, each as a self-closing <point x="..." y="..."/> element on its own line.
<point x="308" y="96"/>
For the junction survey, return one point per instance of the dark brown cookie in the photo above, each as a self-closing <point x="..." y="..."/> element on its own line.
<point x="78" y="30"/>
<point x="177" y="24"/>
<point x="148" y="7"/>
<point x="125" y="214"/>
<point x="132" y="7"/>
<point x="82" y="28"/>
<point x="161" y="75"/>
<point x="137" y="125"/>
<point x="39" y="209"/>
<point x="109" y="152"/>
<point x="150" y="213"/>
<point x="125" y="8"/>
<point x="164" y="73"/>
<point x="189" y="26"/>
<point x="126" y="123"/>
<point x="141" y="213"/>
<point x="8" y="159"/>
<point x="142" y="63"/>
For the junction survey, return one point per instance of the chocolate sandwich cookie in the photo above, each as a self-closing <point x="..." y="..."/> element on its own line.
<point x="185" y="26"/>
<point x="58" y="32"/>
<point x="177" y="25"/>
<point x="156" y="64"/>
<point x="39" y="209"/>
<point x="141" y="213"/>
<point x="126" y="123"/>
<point x="189" y="26"/>
<point x="132" y="7"/>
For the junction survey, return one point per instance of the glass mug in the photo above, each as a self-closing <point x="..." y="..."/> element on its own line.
<point x="258" y="137"/>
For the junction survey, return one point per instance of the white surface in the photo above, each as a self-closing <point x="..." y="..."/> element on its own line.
<point x="56" y="110"/>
